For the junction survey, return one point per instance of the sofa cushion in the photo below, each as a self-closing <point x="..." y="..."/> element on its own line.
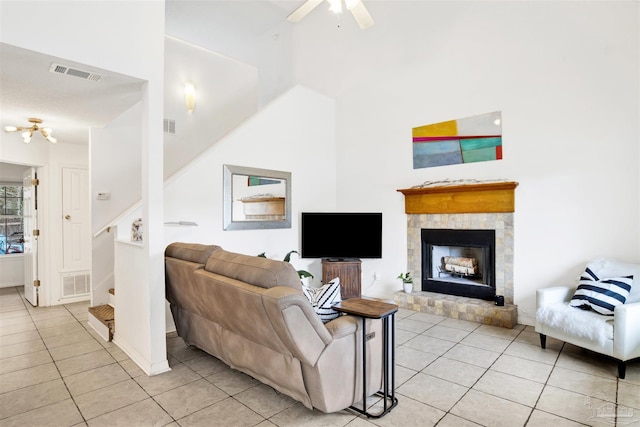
<point x="608" y="267"/>
<point x="601" y="295"/>
<point x="323" y="299"/>
<point x="263" y="272"/>
<point x="192" y="252"/>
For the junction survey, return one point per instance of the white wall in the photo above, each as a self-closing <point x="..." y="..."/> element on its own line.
<point x="565" y="76"/>
<point x="136" y="49"/>
<point x="226" y="92"/>
<point x="283" y="137"/>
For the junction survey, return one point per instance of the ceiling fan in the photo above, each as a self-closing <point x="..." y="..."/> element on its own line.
<point x="28" y="131"/>
<point x="357" y="8"/>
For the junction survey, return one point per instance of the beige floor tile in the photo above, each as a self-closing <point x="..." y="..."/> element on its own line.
<point x="629" y="396"/>
<point x="185" y="353"/>
<point x="498" y="332"/>
<point x="573" y="406"/>
<point x="465" y="325"/>
<point x="178" y="376"/>
<point x="231" y="381"/>
<point x="455" y="371"/>
<point x="299" y="415"/>
<point x="472" y="355"/>
<point x="18" y="338"/>
<point x="409" y="413"/>
<point x="27" y="377"/>
<point x="13" y="313"/>
<point x="446" y="333"/>
<point x="264" y="400"/>
<point x="72" y="350"/>
<point x="587" y="384"/>
<point x="67" y="328"/>
<point x="544" y="419"/>
<point x="451" y="420"/>
<point x="24" y="361"/>
<point x="10" y="306"/>
<point x="53" y="322"/>
<point x="21" y="348"/>
<point x="413" y="326"/>
<point x="189" y="398"/>
<point x="427" y="318"/>
<point x="522" y="368"/>
<point x="45" y="313"/>
<point x="485" y="342"/>
<point x="132" y="369"/>
<point x="579" y="359"/>
<point x="78" y="307"/>
<point x="17" y="329"/>
<point x="108" y="399"/>
<point x="16" y="320"/>
<point x="403" y="375"/>
<point x="64" y="413"/>
<point x="533" y="338"/>
<point x="206" y="365"/>
<point x="508" y="387"/>
<point x="633" y="372"/>
<point x="145" y="413"/>
<point x="489" y="410"/>
<point x="531" y="352"/>
<point x="401" y="337"/>
<point x="433" y="391"/>
<point x="413" y="359"/>
<point x="228" y="412"/>
<point x="66" y="339"/>
<point x="33" y="397"/>
<point x="95" y="379"/>
<point x="431" y="345"/>
<point x="84" y="362"/>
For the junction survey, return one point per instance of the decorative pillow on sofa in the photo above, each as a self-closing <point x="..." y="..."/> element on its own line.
<point x="324" y="298"/>
<point x="601" y="295"/>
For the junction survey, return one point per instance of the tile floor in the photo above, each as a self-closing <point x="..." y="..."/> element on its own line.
<point x="55" y="372"/>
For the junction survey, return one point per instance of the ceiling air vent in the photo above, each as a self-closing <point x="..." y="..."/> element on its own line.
<point x="170" y="126"/>
<point x="63" y="69"/>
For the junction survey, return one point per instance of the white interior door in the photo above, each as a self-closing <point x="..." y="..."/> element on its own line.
<point x="30" y="211"/>
<point x="76" y="238"/>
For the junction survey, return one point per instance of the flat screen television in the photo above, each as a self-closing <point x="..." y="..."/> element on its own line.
<point x="341" y="235"/>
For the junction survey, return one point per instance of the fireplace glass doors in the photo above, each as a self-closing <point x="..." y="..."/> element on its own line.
<point x="459" y="262"/>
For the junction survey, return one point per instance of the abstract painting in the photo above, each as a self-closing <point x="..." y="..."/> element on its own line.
<point x="466" y="140"/>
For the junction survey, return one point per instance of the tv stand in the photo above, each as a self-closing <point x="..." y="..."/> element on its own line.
<point x="348" y="270"/>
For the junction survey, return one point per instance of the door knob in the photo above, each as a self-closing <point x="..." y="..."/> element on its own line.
<point x="67" y="217"/>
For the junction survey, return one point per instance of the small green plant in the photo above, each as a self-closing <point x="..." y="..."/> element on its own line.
<point x="405" y="277"/>
<point x="287" y="258"/>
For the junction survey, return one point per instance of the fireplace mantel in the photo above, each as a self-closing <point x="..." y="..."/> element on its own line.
<point x="486" y="197"/>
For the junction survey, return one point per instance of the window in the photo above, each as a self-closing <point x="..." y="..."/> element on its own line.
<point x="11" y="224"/>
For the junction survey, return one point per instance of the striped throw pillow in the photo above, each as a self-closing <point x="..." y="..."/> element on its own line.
<point x="601" y="295"/>
<point x="324" y="298"/>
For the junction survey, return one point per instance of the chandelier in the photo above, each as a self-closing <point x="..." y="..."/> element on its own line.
<point x="27" y="132"/>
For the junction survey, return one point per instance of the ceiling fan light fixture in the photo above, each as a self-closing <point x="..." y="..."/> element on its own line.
<point x="335" y="6"/>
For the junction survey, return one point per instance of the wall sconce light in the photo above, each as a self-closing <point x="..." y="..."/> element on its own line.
<point x="190" y="96"/>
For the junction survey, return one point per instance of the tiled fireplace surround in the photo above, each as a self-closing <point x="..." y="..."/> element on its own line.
<point x="486" y="206"/>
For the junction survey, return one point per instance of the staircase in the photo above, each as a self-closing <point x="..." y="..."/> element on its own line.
<point x="101" y="318"/>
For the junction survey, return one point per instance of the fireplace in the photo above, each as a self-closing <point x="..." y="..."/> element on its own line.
<point x="459" y="262"/>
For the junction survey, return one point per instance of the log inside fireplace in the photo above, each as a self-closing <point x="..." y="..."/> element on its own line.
<point x="459" y="262"/>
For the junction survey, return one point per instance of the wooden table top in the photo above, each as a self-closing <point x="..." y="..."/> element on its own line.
<point x="369" y="308"/>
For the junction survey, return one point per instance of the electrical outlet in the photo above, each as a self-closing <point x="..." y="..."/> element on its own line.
<point x="104" y="196"/>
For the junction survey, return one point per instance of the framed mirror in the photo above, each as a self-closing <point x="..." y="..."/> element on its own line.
<point x="256" y="198"/>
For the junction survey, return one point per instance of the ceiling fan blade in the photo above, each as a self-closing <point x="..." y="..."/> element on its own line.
<point x="361" y="15"/>
<point x="303" y="10"/>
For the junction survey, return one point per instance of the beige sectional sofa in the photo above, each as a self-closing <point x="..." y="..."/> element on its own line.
<point x="251" y="313"/>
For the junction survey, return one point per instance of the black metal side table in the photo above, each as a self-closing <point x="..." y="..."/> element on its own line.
<point x="374" y="309"/>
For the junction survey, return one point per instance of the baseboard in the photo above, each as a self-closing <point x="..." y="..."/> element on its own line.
<point x="149" y="368"/>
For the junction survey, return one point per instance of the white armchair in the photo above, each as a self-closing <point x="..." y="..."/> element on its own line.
<point x="617" y="336"/>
